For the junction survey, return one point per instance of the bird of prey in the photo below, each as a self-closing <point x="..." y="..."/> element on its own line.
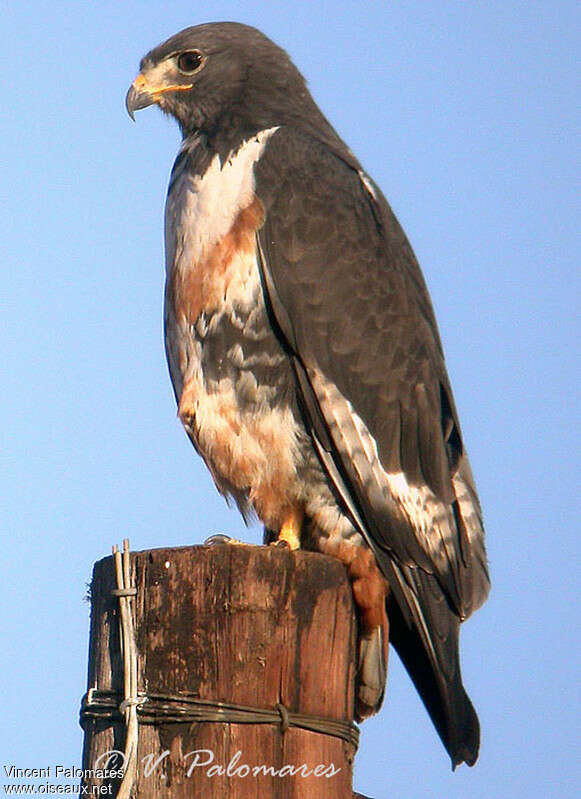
<point x="306" y="361"/>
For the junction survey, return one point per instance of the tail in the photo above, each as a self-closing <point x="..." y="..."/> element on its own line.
<point x="435" y="670"/>
<point x="432" y="663"/>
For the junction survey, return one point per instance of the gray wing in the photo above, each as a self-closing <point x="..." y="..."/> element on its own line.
<point x="349" y="303"/>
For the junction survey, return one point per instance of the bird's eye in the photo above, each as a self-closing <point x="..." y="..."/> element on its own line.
<point x="189" y="62"/>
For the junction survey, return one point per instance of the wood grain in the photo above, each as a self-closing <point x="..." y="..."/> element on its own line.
<point x="252" y="625"/>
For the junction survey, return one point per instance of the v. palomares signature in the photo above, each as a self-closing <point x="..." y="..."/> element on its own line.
<point x="205" y="760"/>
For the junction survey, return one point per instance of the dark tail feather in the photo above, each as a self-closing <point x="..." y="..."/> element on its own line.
<point x="439" y="684"/>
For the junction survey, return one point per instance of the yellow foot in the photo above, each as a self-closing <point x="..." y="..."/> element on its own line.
<point x="290" y="532"/>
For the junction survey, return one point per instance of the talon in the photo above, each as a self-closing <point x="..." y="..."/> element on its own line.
<point x="218" y="538"/>
<point x="280" y="544"/>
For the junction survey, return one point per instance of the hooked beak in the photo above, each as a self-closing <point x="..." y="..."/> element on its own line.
<point x="141" y="94"/>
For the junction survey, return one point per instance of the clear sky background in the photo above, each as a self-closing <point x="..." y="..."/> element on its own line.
<point x="466" y="114"/>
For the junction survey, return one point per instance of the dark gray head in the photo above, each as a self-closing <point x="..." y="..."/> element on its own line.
<point x="229" y="80"/>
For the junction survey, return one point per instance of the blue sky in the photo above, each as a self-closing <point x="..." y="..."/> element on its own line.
<point x="466" y="114"/>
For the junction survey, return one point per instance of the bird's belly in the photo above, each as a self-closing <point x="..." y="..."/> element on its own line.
<point x="234" y="386"/>
<point x="233" y="382"/>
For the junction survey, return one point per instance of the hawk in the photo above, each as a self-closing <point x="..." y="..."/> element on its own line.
<point x="306" y="361"/>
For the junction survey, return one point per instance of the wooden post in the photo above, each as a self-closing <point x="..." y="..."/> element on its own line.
<point x="256" y="626"/>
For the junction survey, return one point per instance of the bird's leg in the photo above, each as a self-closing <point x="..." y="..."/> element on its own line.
<point x="290" y="532"/>
<point x="187" y="415"/>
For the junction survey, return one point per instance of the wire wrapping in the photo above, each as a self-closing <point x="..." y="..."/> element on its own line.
<point x="186" y="708"/>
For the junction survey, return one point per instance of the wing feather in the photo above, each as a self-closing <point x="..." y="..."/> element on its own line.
<point x="348" y="301"/>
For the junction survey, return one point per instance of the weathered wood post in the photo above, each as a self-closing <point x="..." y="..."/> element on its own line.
<point x="263" y="628"/>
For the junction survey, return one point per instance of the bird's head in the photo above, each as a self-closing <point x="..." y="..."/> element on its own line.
<point x="221" y="75"/>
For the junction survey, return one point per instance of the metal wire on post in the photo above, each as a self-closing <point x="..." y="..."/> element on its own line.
<point x="187" y="708"/>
